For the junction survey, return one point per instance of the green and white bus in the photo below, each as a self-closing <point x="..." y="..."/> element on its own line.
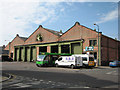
<point x="48" y="59"/>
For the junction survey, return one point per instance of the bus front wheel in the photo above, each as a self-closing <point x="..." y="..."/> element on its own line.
<point x="38" y="65"/>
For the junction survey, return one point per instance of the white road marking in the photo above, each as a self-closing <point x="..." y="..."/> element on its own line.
<point x="112" y="72"/>
<point x="21" y="85"/>
<point x="79" y="87"/>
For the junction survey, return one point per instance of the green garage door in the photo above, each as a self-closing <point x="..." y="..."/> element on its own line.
<point x="18" y="54"/>
<point x="27" y="54"/>
<point x="76" y="48"/>
<point x="22" y="54"/>
<point x="33" y="54"/>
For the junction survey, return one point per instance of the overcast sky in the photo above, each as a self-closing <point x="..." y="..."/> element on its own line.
<point x="23" y="17"/>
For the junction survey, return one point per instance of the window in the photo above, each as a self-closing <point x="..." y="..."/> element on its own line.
<point x="84" y="58"/>
<point x="46" y="58"/>
<point x="60" y="59"/>
<point x="92" y="42"/>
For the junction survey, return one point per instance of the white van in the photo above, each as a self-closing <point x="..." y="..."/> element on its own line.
<point x="87" y="59"/>
<point x="71" y="61"/>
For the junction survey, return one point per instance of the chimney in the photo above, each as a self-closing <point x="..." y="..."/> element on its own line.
<point x="17" y="35"/>
<point x="60" y="31"/>
<point x="40" y="25"/>
<point x="94" y="29"/>
<point x="77" y="23"/>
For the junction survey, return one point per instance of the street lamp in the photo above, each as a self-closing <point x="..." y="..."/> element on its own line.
<point x="98" y="45"/>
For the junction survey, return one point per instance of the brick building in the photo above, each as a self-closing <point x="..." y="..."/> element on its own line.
<point x="76" y="40"/>
<point x="16" y="41"/>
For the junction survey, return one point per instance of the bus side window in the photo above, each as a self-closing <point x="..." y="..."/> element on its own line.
<point x="59" y="59"/>
<point x="84" y="58"/>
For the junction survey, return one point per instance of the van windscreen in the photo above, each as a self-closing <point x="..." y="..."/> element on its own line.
<point x="59" y="59"/>
<point x="91" y="59"/>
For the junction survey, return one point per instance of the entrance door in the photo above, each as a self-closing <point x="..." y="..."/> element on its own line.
<point x="78" y="61"/>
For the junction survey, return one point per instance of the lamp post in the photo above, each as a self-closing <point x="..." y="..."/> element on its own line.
<point x="98" y="45"/>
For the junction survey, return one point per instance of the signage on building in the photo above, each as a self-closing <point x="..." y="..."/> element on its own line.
<point x="91" y="48"/>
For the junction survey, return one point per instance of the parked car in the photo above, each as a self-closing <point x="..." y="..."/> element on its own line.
<point x="114" y="63"/>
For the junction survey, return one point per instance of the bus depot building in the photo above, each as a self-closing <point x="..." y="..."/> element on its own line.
<point x="76" y="40"/>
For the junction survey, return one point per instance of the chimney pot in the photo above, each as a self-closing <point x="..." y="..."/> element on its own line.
<point x="77" y="23"/>
<point x="17" y="35"/>
<point x="40" y="26"/>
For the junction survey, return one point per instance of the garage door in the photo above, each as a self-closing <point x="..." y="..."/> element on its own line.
<point x="33" y="53"/>
<point x="17" y="54"/>
<point x="27" y="54"/>
<point x="76" y="48"/>
<point x="22" y="54"/>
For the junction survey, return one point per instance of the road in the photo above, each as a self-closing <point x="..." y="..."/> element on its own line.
<point x="28" y="75"/>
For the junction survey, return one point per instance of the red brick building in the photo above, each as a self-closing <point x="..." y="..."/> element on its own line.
<point x="16" y="41"/>
<point x="75" y="40"/>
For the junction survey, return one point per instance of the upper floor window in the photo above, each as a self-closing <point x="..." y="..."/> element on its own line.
<point x="92" y="42"/>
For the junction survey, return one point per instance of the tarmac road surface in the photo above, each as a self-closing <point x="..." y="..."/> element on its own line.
<point x="28" y="75"/>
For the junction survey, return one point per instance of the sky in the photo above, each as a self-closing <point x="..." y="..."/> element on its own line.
<point x="24" y="17"/>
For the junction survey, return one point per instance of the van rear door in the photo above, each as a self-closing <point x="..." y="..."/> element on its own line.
<point x="78" y="61"/>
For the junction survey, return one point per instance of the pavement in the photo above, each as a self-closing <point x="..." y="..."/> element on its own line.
<point x="102" y="67"/>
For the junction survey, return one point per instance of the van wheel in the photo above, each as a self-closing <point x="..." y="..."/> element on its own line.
<point x="56" y="65"/>
<point x="72" y="66"/>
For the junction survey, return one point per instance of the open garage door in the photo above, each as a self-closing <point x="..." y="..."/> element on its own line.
<point x="65" y="49"/>
<point x="43" y="49"/>
<point x="16" y="54"/>
<point x="54" y="49"/>
<point x="76" y="48"/>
